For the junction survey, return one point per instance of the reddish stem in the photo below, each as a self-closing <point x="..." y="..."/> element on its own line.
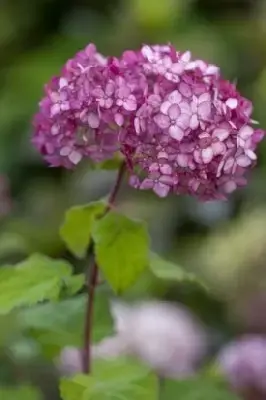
<point x="93" y="279"/>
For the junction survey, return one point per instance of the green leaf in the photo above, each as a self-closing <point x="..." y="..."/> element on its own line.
<point x="76" y="228"/>
<point x="197" y="389"/>
<point x="73" y="284"/>
<point x="20" y="393"/>
<point x="112" y="164"/>
<point x="36" y="279"/>
<point x="112" y="380"/>
<point x="121" y="248"/>
<point x="56" y="325"/>
<point x="166" y="270"/>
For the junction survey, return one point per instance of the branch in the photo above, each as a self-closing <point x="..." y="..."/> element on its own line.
<point x="93" y="280"/>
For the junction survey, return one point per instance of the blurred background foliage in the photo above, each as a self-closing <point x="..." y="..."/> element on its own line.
<point x="224" y="243"/>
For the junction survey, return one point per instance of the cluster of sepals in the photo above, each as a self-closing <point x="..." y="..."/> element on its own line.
<point x="180" y="126"/>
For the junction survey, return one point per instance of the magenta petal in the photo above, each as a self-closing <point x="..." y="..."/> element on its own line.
<point x="185" y="89"/>
<point x="162" y="121"/>
<point x="204" y="110"/>
<point x="93" y="121"/>
<point x="175" y="97"/>
<point x="207" y="155"/>
<point x="176" y="132"/>
<point x="130" y="104"/>
<point x="230" y="187"/>
<point x="75" y="157"/>
<point x="147" y="184"/>
<point x="161" y="190"/>
<point x="243" y="161"/>
<point x="174" y="111"/>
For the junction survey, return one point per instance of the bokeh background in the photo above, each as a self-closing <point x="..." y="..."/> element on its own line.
<point x="224" y="243"/>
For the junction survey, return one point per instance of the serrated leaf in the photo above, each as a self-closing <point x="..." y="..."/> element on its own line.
<point x="197" y="389"/>
<point x="20" y="393"/>
<point x="36" y="279"/>
<point x="166" y="270"/>
<point x="76" y="228"/>
<point x="121" y="248"/>
<point x="112" y="380"/>
<point x="61" y="324"/>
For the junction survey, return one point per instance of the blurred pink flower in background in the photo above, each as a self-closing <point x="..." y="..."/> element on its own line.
<point x="243" y="363"/>
<point x="164" y="336"/>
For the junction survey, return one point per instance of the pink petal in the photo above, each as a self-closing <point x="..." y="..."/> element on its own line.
<point x="228" y="165"/>
<point x="166" y="169"/>
<point x="212" y="70"/>
<point x="218" y="148"/>
<point x="185" y="108"/>
<point x="162" y="154"/>
<point x="230" y="187"/>
<point x="93" y="121"/>
<point x="110" y="88"/>
<point x="65" y="151"/>
<point x="246" y="132"/>
<point x="182" y="160"/>
<point x="185" y="89"/>
<point x="186" y="57"/>
<point x="167" y="180"/>
<point x="204" y="110"/>
<point x="167" y="62"/>
<point x="147" y="184"/>
<point x="177" y="68"/>
<point x="119" y="119"/>
<point x="55" y="109"/>
<point x="63" y="82"/>
<point x="98" y="92"/>
<point x="137" y="125"/>
<point x="147" y="52"/>
<point x="221" y="134"/>
<point x="174" y="111"/>
<point x="134" y="181"/>
<point x="55" y="129"/>
<point x="130" y="104"/>
<point x="75" y="157"/>
<point x="231" y="103"/>
<point x="183" y="121"/>
<point x="207" y="155"/>
<point x="165" y="107"/>
<point x="243" y="161"/>
<point x="108" y="103"/>
<point x="194" y="122"/>
<point x="154" y="100"/>
<point x="251" y="154"/>
<point x="154" y="167"/>
<point x="65" y="106"/>
<point x="175" y="97"/>
<point x="161" y="190"/>
<point x="123" y="92"/>
<point x="197" y="156"/>
<point x="205" y="97"/>
<point x="163" y="121"/>
<point x="176" y="132"/>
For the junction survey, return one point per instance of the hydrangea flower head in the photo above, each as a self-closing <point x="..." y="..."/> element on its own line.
<point x="195" y="132"/>
<point x="243" y="362"/>
<point x="76" y="119"/>
<point x="181" y="127"/>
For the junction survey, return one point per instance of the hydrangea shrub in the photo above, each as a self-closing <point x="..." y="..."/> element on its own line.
<point x="175" y="126"/>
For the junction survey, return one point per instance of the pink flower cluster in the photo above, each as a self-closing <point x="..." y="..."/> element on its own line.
<point x="180" y="127"/>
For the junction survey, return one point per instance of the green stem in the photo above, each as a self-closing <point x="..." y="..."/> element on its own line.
<point x="93" y="279"/>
